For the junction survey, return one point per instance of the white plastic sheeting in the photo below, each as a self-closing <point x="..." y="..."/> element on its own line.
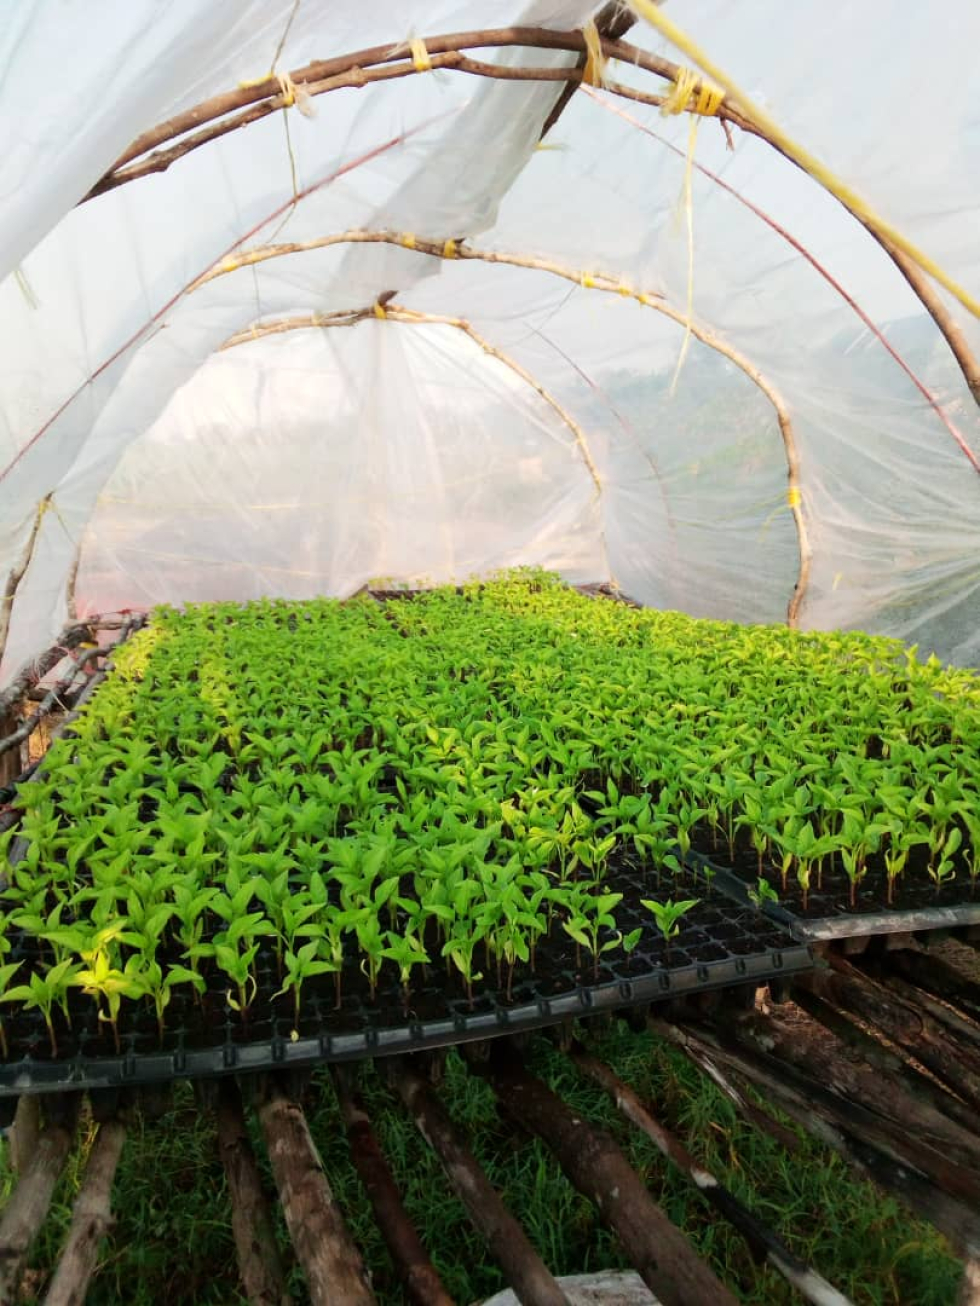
<point x="314" y="461"/>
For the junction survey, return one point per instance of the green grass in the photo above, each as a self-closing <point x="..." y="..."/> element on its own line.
<point x="172" y="1240"/>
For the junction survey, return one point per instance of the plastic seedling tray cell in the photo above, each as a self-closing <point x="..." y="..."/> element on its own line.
<point x="829" y="914"/>
<point x="720" y="944"/>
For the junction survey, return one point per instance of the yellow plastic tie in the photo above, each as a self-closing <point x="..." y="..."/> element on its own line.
<point x="587" y="280"/>
<point x="625" y="289"/>
<point x="287" y="89"/>
<point x="654" y="15"/>
<point x="379" y="312"/>
<point x="420" y="55"/>
<point x="793" y="496"/>
<point x="230" y="264"/>
<point x="594" y="73"/>
<point x="449" y="249"/>
<point x="408" y="240"/>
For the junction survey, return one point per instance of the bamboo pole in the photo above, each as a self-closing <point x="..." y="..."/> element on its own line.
<point x="523" y="1268"/>
<point x="259" y="1263"/>
<point x="91" y="1219"/>
<point x="762" y="1241"/>
<point x="595" y="1165"/>
<point x="411" y="1261"/>
<point x="335" y="1273"/>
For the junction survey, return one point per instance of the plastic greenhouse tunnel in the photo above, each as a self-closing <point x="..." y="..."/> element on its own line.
<point x="489" y="645"/>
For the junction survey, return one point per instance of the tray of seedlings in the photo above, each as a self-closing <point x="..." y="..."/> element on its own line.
<point x="283" y="833"/>
<point x="839" y="788"/>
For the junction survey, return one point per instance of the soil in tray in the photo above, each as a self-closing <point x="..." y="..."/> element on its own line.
<point x="715" y="931"/>
<point x="913" y="890"/>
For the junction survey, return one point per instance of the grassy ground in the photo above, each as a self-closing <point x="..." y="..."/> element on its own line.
<point x="172" y="1241"/>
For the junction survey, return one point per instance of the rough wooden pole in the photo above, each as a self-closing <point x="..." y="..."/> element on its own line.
<point x="334" y="1270"/>
<point x="28" y="1204"/>
<point x="420" y="1277"/>
<point x="591" y="1160"/>
<point x="508" y="1243"/>
<point x="91" y="1219"/>
<point x="259" y="1263"/>
<point x="591" y="280"/>
<point x="22" y="1139"/>
<point x="762" y="1241"/>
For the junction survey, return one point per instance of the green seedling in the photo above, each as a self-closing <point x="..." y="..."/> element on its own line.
<point x="669" y="915"/>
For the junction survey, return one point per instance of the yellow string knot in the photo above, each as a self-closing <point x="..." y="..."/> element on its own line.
<point x="449" y="249"/>
<point x="408" y="240"/>
<point x="594" y="73"/>
<point x="587" y="280"/>
<point x="379" y="312"/>
<point x="690" y="91"/>
<point x="420" y="55"/>
<point x="793" y="496"/>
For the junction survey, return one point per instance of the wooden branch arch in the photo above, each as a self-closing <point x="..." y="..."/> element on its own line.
<point x="230" y="110"/>
<point x="601" y="281"/>
<point x="391" y="312"/>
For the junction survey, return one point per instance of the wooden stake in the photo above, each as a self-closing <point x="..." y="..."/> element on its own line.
<point x="842" y="1130"/>
<point x="591" y="1160"/>
<point x="523" y="1268"/>
<point x="91" y="1219"/>
<point x="763" y="1243"/>
<point x="334" y="1270"/>
<point x="420" y="1277"/>
<point x="28" y="1205"/>
<point x="259" y="1263"/>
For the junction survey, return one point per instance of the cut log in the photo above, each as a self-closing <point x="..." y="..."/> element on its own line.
<point x="881" y="1100"/>
<point x="91" y="1219"/>
<point x="259" y="1263"/>
<point x="28" y="1204"/>
<point x="510" y="1246"/>
<point x="593" y="1162"/>
<point x="23" y="1135"/>
<point x="909" y="1026"/>
<point x="411" y="1261"/>
<point x="801" y="1098"/>
<point x="939" y="977"/>
<point x="885" y="1059"/>
<point x="334" y="1270"/>
<point x="762" y="1241"/>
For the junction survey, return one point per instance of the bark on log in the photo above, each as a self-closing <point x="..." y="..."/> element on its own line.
<point x="334" y="1270"/>
<point x="419" y="1276"/>
<point x="938" y="977"/>
<point x="259" y="1263"/>
<point x="91" y="1219"/>
<point x="956" y="1220"/>
<point x="904" y="1023"/>
<point x="764" y="1244"/>
<point x="885" y="1060"/>
<point x="592" y="1161"/>
<point x="865" y="1103"/>
<point x="523" y="1268"/>
<point x="28" y="1204"/>
<point x="24" y="1132"/>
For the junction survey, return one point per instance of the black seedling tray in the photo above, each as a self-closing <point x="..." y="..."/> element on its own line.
<point x="720" y="945"/>
<point x="830" y="915"/>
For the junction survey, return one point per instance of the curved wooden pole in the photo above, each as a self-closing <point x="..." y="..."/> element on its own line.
<point x="591" y="281"/>
<point x="397" y="313"/>
<point x="246" y="104"/>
